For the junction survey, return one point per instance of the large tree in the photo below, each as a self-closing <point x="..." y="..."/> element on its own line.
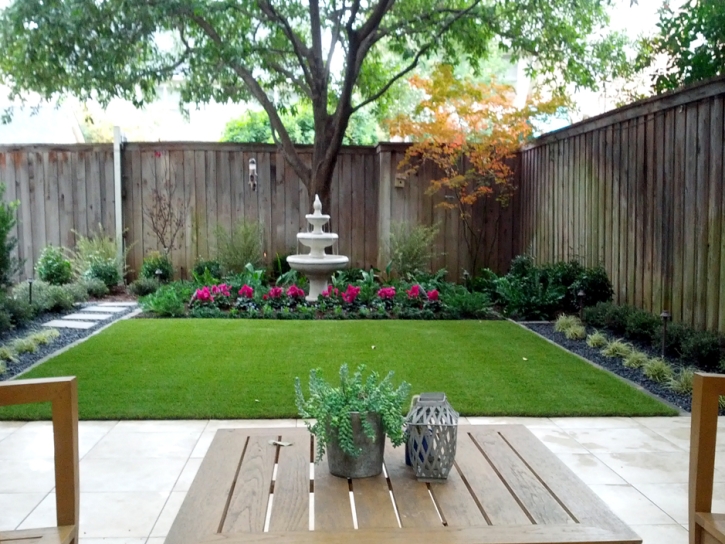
<point x="691" y="39"/>
<point x="339" y="55"/>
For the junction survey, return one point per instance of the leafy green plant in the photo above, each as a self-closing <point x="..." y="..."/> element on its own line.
<point x="97" y="248"/>
<point x="528" y="297"/>
<point x="157" y="266"/>
<point x="6" y="322"/>
<point x="9" y="265"/>
<point x="144" y="286"/>
<point x="460" y="303"/>
<point x="240" y="246"/>
<point x="45" y="337"/>
<point x="410" y="248"/>
<point x="658" y="370"/>
<point x="331" y="407"/>
<point x="565" y="322"/>
<point x="596" y="286"/>
<point x="24" y="345"/>
<point x="165" y="302"/>
<point x="636" y="359"/>
<point x="77" y="291"/>
<point x="104" y="270"/>
<point x="597" y="340"/>
<point x="617" y="348"/>
<point x="521" y="266"/>
<point x="704" y="348"/>
<point x="53" y="266"/>
<point x="8" y="354"/>
<point x="94" y="287"/>
<point x="19" y="310"/>
<point x="46" y="297"/>
<point x="682" y="381"/>
<point x="212" y="265"/>
<point x="642" y="326"/>
<point x="576" y="332"/>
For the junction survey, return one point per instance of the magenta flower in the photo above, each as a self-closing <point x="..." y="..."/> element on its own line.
<point x="387" y="293"/>
<point x="350" y="294"/>
<point x="276" y="292"/>
<point x="330" y="291"/>
<point x="414" y="292"/>
<point x="265" y="297"/>
<point x="295" y="292"/>
<point x="433" y="295"/>
<point x="246" y="291"/>
<point x="204" y="295"/>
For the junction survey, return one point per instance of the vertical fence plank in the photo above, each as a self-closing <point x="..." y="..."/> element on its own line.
<point x="701" y="216"/>
<point x="715" y="274"/>
<point x="690" y="218"/>
<point x="647" y="205"/>
<point x="263" y="201"/>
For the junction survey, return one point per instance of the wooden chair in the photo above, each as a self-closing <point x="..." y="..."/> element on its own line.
<point x="705" y="527"/>
<point x="63" y="394"/>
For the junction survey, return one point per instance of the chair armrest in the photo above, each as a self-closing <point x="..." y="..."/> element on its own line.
<point x="63" y="394"/>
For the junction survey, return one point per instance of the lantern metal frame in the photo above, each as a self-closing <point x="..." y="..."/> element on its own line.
<point x="432" y="431"/>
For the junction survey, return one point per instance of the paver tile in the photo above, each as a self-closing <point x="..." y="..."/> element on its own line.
<point x="93" y="316"/>
<point x="69" y="324"/>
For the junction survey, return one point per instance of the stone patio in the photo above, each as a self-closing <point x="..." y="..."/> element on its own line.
<point x="135" y="474"/>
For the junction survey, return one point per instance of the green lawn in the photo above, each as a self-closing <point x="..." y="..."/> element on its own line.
<point x="192" y="368"/>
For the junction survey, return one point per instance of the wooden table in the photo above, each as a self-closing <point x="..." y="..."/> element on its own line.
<point x="506" y="488"/>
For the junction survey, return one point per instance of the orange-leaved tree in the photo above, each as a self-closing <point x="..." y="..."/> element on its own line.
<point x="470" y="131"/>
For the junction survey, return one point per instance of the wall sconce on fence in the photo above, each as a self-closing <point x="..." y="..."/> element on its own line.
<point x="253" y="174"/>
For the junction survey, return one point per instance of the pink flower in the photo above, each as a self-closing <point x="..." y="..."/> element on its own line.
<point x="265" y="297"/>
<point x="295" y="292"/>
<point x="433" y="295"/>
<point x="414" y="292"/>
<point x="276" y="292"/>
<point x="350" y="294"/>
<point x="387" y="293"/>
<point x="204" y="295"/>
<point x="221" y="289"/>
<point x="246" y="291"/>
<point x="330" y="291"/>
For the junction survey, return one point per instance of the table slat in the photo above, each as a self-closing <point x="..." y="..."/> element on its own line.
<point x="248" y="507"/>
<point x="291" y="506"/>
<point x="373" y="504"/>
<point x="498" y="503"/>
<point x="456" y="503"/>
<point x="415" y="506"/>
<point x="533" y="495"/>
<point x="581" y="501"/>
<point x="332" y="500"/>
<point x="201" y="513"/>
<point x="491" y="534"/>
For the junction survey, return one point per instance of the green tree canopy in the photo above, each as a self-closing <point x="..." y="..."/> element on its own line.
<point x="693" y="40"/>
<point x="337" y="55"/>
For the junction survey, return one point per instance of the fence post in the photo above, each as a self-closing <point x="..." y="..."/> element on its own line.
<point x="118" y="140"/>
<point x="384" y="204"/>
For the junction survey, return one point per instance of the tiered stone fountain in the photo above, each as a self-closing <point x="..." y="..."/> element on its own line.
<point x="317" y="265"/>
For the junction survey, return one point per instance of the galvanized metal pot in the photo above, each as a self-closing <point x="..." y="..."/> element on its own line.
<point x="370" y="461"/>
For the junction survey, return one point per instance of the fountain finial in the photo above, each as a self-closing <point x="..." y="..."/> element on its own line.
<point x="317" y="206"/>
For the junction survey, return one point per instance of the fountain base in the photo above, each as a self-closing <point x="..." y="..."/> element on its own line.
<point x="318" y="270"/>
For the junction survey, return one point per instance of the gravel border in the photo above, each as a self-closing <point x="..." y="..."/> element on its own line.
<point x="614" y="365"/>
<point x="67" y="338"/>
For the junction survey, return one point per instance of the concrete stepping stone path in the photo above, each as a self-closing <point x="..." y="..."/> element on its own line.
<point x="69" y="324"/>
<point x="105" y="309"/>
<point x="95" y="316"/>
<point x="117" y="304"/>
<point x="90" y="316"/>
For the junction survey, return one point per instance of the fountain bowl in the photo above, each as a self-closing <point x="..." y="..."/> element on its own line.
<point x="318" y="270"/>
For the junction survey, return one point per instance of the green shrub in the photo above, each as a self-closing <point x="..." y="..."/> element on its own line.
<point x="411" y="248"/>
<point x="98" y="251"/>
<point x="77" y="291"/>
<point x="157" y="266"/>
<point x="460" y="303"/>
<point x="45" y="337"/>
<point x="6" y="322"/>
<point x="596" y="315"/>
<point x="597" y="340"/>
<point x="528" y="297"/>
<point x="617" y="348"/>
<point x="658" y="370"/>
<point x="144" y="286"/>
<point x="53" y="267"/>
<point x="683" y="380"/>
<point x="704" y="348"/>
<point x="636" y="359"/>
<point x="7" y="354"/>
<point x="642" y="326"/>
<point x="521" y="266"/>
<point x="104" y="270"/>
<point x="59" y="299"/>
<point x="165" y="302"/>
<point x="94" y="287"/>
<point x="566" y="322"/>
<point x="596" y="286"/>
<point x="46" y="297"/>
<point x="484" y="282"/>
<point x="577" y="332"/>
<point x="9" y="265"/>
<point x="24" y="345"/>
<point x="18" y="309"/>
<point x="213" y="266"/>
<point x="240" y="246"/>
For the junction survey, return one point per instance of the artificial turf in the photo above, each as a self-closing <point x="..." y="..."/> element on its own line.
<point x="199" y="368"/>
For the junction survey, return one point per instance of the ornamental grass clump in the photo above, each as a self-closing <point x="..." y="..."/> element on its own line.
<point x="7" y="354"/>
<point x="617" y="348"/>
<point x="566" y="322"/>
<point x="658" y="370"/>
<point x="24" y="345"/>
<point x="597" y="340"/>
<point x="682" y="381"/>
<point x="43" y="338"/>
<point x="636" y="359"/>
<point x="331" y="407"/>
<point x="576" y="332"/>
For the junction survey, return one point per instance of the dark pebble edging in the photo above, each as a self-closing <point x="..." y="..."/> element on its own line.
<point x="613" y="364"/>
<point x="67" y="336"/>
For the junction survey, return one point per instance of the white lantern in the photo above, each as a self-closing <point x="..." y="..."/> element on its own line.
<point x="432" y="429"/>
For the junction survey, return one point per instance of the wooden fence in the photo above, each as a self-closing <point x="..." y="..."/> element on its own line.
<point x="639" y="190"/>
<point x="67" y="189"/>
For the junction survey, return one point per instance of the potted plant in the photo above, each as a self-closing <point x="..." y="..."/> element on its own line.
<point x="353" y="419"/>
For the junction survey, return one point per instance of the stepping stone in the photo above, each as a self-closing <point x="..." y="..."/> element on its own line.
<point x="69" y="324"/>
<point x="103" y="309"/>
<point x="90" y="317"/>
<point x="117" y="304"/>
